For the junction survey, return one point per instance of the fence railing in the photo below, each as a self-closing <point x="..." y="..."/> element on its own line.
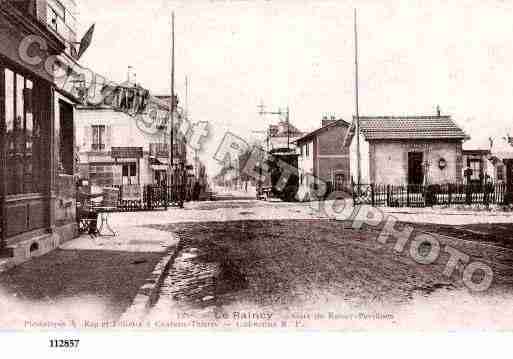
<point x="430" y="195"/>
<point x="147" y="197"/>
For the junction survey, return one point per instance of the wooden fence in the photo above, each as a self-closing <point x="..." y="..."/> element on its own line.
<point x="430" y="195"/>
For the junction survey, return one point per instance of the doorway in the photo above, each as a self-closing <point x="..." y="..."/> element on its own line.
<point x="415" y="170"/>
<point x="339" y="182"/>
<point x="67" y="157"/>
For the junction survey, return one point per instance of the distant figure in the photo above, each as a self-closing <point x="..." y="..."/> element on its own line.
<point x="467" y="173"/>
<point x="196" y="191"/>
<point x="468" y="193"/>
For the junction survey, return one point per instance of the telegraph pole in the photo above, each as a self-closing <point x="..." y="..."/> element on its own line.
<point x="358" y="159"/>
<point x="172" y="103"/>
<point x="288" y="128"/>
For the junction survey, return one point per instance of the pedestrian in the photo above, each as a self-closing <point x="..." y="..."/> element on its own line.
<point x="468" y="193"/>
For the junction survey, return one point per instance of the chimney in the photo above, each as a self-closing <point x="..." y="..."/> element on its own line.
<point x="326" y="121"/>
<point x="438" y="110"/>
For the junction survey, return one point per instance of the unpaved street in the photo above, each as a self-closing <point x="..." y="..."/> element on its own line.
<point x="300" y="265"/>
<point x="242" y="263"/>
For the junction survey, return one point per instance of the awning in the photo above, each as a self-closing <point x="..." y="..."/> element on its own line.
<point x="158" y="161"/>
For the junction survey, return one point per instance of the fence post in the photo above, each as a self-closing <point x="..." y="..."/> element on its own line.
<point x="407" y="195"/>
<point x="388" y="195"/>
<point x="372" y="195"/>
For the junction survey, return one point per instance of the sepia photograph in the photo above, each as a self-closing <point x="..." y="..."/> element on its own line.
<point x="240" y="166"/>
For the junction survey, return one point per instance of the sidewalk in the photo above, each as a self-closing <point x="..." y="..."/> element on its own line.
<point x="436" y="215"/>
<point x="84" y="279"/>
<point x="449" y="216"/>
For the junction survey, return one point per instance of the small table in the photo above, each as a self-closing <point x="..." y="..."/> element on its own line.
<point x="104" y="215"/>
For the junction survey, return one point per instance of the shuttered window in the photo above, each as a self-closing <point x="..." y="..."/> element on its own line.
<point x="98" y="138"/>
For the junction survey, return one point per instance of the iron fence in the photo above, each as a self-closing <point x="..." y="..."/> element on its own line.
<point x="148" y="197"/>
<point x="430" y="195"/>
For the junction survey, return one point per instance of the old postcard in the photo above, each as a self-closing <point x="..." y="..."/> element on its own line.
<point x="255" y="166"/>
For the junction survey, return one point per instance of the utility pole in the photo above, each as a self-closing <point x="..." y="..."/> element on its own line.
<point x="172" y="104"/>
<point x="358" y="159"/>
<point x="288" y="128"/>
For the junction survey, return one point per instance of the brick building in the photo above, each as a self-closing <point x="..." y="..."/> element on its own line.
<point x="412" y="149"/>
<point x="323" y="156"/>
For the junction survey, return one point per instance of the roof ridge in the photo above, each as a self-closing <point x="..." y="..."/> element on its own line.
<point x="420" y="117"/>
<point x="331" y="124"/>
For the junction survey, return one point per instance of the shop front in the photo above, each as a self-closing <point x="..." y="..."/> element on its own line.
<point x="30" y="180"/>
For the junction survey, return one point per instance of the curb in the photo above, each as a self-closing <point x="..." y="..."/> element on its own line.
<point x="148" y="294"/>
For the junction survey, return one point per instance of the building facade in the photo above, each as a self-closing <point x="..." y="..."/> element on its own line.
<point x="478" y="160"/>
<point x="413" y="149"/>
<point x="501" y="159"/>
<point x="37" y="191"/>
<point x="322" y="156"/>
<point x="116" y="148"/>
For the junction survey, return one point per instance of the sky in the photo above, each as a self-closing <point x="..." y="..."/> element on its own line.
<point x="413" y="56"/>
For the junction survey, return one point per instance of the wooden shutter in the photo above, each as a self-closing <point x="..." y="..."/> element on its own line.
<point x="108" y="137"/>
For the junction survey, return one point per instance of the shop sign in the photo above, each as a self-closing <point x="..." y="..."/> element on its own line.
<point x="127" y="152"/>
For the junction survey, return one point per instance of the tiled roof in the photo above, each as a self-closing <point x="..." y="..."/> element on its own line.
<point x="410" y="127"/>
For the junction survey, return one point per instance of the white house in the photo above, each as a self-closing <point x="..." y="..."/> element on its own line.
<point x="116" y="148"/>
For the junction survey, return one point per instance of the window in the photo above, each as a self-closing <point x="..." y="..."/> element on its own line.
<point x="475" y="166"/>
<point x="61" y="20"/>
<point x="301" y="150"/>
<point x="22" y="135"/>
<point x="339" y="182"/>
<point x="98" y="137"/>
<point x="129" y="173"/>
<point x="66" y="136"/>
<point x="307" y="150"/>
